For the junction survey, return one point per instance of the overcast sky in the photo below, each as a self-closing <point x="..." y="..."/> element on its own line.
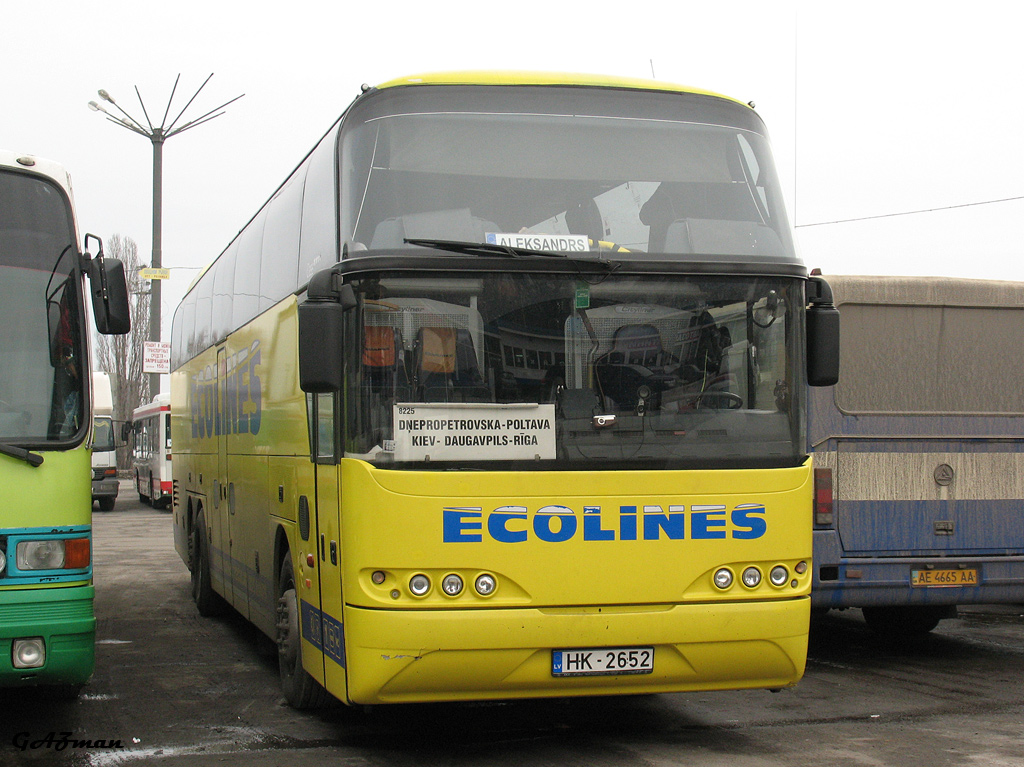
<point x="876" y="110"/>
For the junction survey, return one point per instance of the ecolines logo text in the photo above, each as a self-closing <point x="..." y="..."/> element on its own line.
<point x="227" y="398"/>
<point x="556" y="524"/>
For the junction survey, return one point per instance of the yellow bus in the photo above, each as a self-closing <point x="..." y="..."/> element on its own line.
<point x="502" y="394"/>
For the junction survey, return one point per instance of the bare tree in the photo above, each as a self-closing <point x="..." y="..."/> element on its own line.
<point x="121" y="356"/>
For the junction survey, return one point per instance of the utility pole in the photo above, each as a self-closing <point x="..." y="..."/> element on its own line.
<point x="157" y="134"/>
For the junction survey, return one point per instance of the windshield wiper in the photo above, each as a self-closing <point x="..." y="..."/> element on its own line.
<point x="511" y="251"/>
<point x="33" y="459"/>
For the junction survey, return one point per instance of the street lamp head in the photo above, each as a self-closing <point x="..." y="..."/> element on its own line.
<point x="106" y="96"/>
<point x="99" y="108"/>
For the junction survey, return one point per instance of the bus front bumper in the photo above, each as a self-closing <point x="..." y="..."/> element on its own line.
<point x="104" y="488"/>
<point x="64" y="619"/>
<point x="397" y="656"/>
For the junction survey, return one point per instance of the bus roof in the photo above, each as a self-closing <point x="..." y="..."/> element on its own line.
<point x="523" y="77"/>
<point x="160" y="402"/>
<point x="102" y="397"/>
<point x="937" y="291"/>
<point x="38" y="165"/>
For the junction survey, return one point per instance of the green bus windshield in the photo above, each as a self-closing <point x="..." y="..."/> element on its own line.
<point x="42" y="374"/>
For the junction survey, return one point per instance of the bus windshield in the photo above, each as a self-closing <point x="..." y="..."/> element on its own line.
<point x="547" y="168"/>
<point x="554" y="370"/>
<point x="41" y="375"/>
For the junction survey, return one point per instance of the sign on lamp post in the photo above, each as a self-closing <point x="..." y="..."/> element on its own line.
<point x="156" y="357"/>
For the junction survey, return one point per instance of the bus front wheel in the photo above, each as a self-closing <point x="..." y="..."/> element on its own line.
<point x="300" y="689"/>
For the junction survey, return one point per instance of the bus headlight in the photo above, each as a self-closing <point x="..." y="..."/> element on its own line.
<point x="3" y="562"/>
<point x="779" y="575"/>
<point x="723" y="578"/>
<point x="41" y="555"/>
<point x="419" y="585"/>
<point x="751" y="577"/>
<point x="485" y="585"/>
<point x="452" y="585"/>
<point x="28" y="653"/>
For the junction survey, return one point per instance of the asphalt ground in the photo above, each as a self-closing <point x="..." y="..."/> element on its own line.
<point x="172" y="688"/>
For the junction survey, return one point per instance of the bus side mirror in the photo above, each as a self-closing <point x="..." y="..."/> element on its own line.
<point x="126" y="432"/>
<point x="321" y="361"/>
<point x="109" y="290"/>
<point x="822" y="334"/>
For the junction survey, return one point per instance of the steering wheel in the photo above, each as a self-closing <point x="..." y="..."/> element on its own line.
<point x="731" y="400"/>
<point x="607" y="245"/>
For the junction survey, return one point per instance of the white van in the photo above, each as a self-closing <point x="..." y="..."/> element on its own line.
<point x="104" y="453"/>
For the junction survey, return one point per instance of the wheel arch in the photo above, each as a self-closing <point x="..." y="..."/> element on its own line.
<point x="282" y="548"/>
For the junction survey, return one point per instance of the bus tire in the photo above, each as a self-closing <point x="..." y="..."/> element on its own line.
<point x="301" y="690"/>
<point x="208" y="602"/>
<point x="907" y="622"/>
<point x="107" y="504"/>
<point x="143" y="498"/>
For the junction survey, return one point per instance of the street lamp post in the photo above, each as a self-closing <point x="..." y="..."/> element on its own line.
<point x="157" y="135"/>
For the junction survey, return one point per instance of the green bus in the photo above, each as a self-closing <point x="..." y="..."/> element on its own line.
<point x="47" y="623"/>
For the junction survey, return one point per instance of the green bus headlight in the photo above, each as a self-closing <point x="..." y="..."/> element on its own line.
<point x="28" y="653"/>
<point x="41" y="555"/>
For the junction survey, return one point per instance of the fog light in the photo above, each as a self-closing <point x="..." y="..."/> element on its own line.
<point x="41" y="555"/>
<point x="419" y="585"/>
<point x="29" y="652"/>
<point x="452" y="585"/>
<point x="779" y="575"/>
<point x="378" y="577"/>
<point x="801" y="568"/>
<point x="485" y="585"/>
<point x="3" y="561"/>
<point x="723" y="578"/>
<point x="751" y="577"/>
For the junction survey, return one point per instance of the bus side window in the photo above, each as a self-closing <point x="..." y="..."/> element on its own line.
<point x="323" y="434"/>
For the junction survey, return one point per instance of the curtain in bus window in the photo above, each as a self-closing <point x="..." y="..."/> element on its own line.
<point x="930" y="359"/>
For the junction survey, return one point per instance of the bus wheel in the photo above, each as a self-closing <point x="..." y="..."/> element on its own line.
<point x="905" y="622"/>
<point x="107" y="504"/>
<point x="208" y="601"/>
<point x="300" y="689"/>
